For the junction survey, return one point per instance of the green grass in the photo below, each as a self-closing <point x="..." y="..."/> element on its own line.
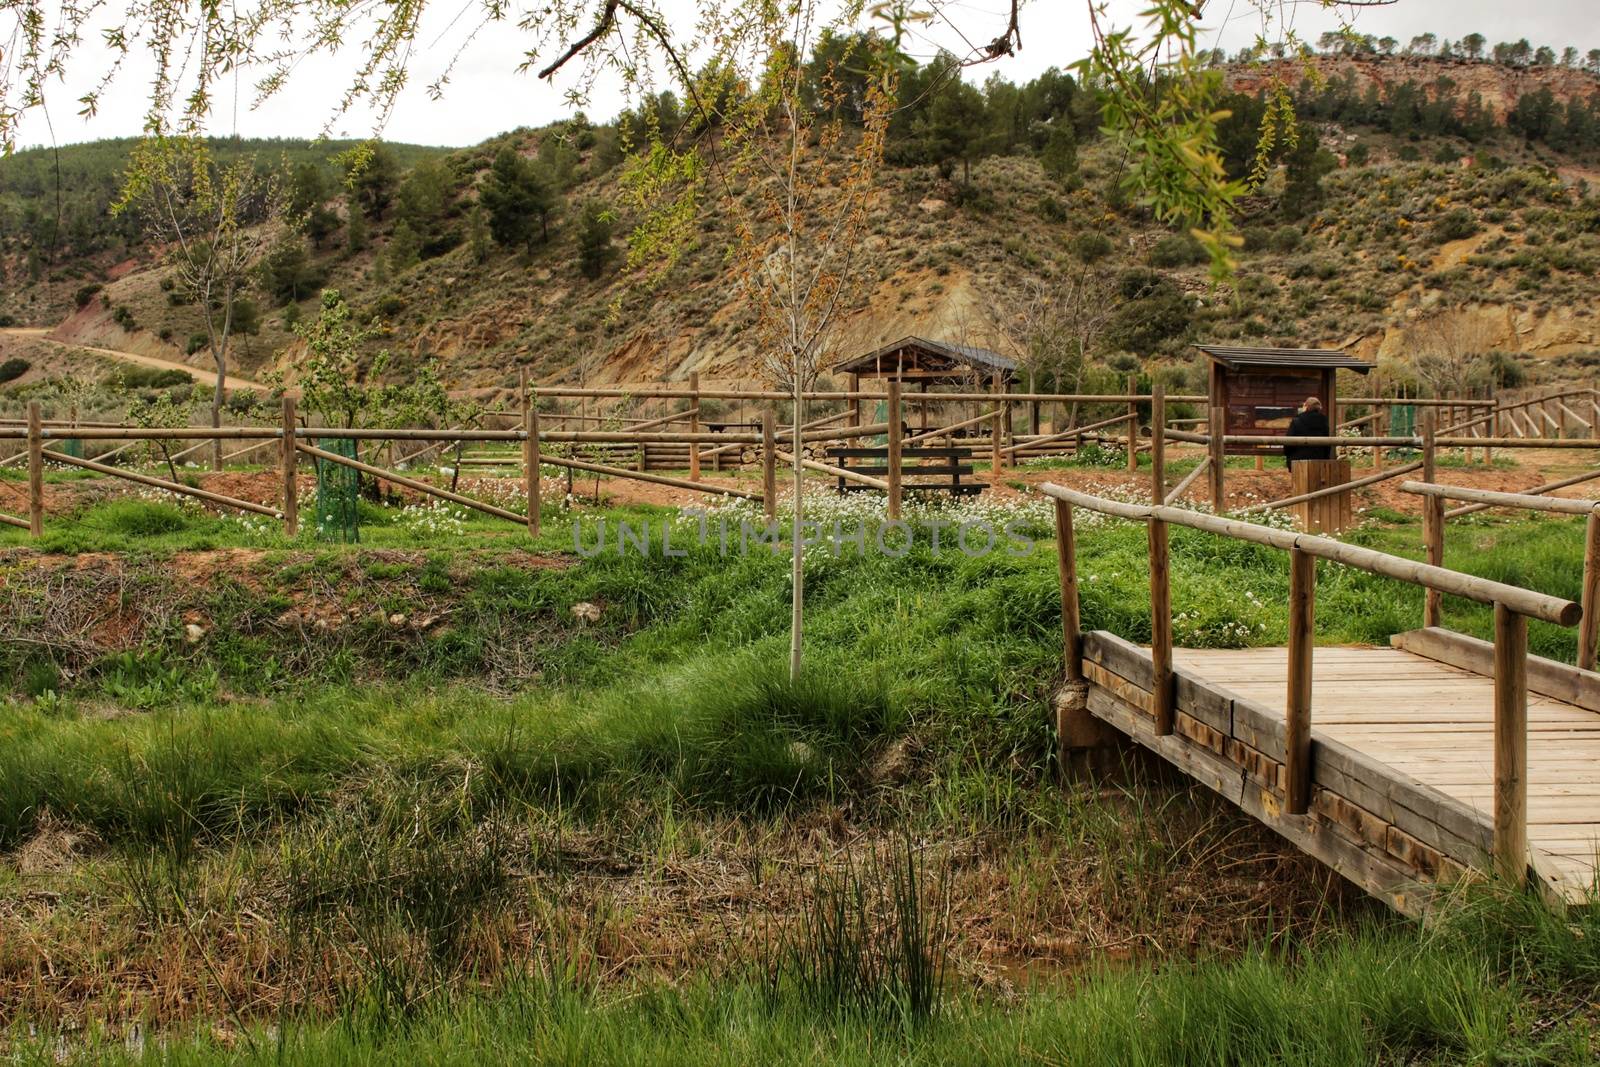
<point x="398" y="802"/>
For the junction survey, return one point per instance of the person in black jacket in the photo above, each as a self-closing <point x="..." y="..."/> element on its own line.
<point x="1310" y="422"/>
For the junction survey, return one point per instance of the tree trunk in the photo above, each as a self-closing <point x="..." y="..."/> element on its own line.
<point x="797" y="554"/>
<point x="218" y="398"/>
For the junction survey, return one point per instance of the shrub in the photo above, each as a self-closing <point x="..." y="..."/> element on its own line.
<point x="1286" y="238"/>
<point x="85" y="294"/>
<point x="1257" y="238"/>
<point x="123" y="317"/>
<point x="1177" y="250"/>
<point x="13" y="368"/>
<point x="152" y="377"/>
<point x="1090" y="246"/>
<point x="1454" y="225"/>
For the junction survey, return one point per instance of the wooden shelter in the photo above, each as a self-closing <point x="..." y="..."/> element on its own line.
<point x="1259" y="390"/>
<point x="917" y="359"/>
<point x="925" y="362"/>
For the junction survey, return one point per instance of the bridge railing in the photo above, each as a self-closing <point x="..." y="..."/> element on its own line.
<point x="1513" y="606"/>
<point x="1434" y="515"/>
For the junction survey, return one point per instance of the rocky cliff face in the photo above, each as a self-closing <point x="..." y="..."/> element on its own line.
<point x="1499" y="87"/>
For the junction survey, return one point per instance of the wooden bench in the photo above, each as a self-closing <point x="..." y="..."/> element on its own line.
<point x="946" y="464"/>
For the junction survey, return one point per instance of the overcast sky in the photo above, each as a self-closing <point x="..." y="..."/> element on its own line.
<point x="488" y="96"/>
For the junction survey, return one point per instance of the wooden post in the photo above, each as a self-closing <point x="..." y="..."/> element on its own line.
<point x="769" y="462"/>
<point x="1158" y="445"/>
<point x="1215" y="469"/>
<point x="1067" y="568"/>
<point x="532" y="484"/>
<point x="1297" y="724"/>
<point x="1133" y="424"/>
<point x="288" y="463"/>
<point x="1378" y="425"/>
<point x="35" y="470"/>
<point x="998" y="425"/>
<point x="1432" y="520"/>
<point x="1589" y="625"/>
<point x="894" y="448"/>
<point x="1510" y="744"/>
<point x="694" y="426"/>
<point x="1162" y="686"/>
<point x="855" y="402"/>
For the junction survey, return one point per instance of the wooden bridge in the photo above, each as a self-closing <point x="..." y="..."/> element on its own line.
<point x="1403" y="768"/>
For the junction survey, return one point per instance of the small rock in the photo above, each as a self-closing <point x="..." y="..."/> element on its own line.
<point x="397" y="619"/>
<point x="193" y="632"/>
<point x="584" y="611"/>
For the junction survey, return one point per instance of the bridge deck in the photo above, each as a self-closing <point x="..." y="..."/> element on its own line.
<point x="1435" y="722"/>
<point x="1402" y="759"/>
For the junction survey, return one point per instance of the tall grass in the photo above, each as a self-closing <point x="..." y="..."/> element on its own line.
<point x="1383" y="995"/>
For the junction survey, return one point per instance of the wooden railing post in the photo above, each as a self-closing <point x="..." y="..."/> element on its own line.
<point x="694" y="426"/>
<point x="1133" y="424"/>
<point x="1162" y="685"/>
<point x="769" y="462"/>
<point x="1432" y="520"/>
<point x="894" y="448"/>
<point x="855" y="401"/>
<point x="1510" y="743"/>
<point x="1589" y="625"/>
<point x="532" y="483"/>
<point x="1067" y="568"/>
<point x="1158" y="445"/>
<point x="1216" y="469"/>
<point x="35" y="470"/>
<point x="997" y="433"/>
<point x="288" y="464"/>
<point x="1297" y="724"/>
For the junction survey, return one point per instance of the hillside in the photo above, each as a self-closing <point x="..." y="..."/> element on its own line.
<point x="1382" y="235"/>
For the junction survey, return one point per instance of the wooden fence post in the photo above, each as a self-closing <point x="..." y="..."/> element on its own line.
<point x="1158" y="445"/>
<point x="1589" y="625"/>
<point x="1510" y="743"/>
<point x="1297" y="724"/>
<point x="855" y="401"/>
<point x="894" y="448"/>
<point x="1067" y="569"/>
<point x="532" y="483"/>
<point x="1216" y="469"/>
<point x="694" y="426"/>
<point x="997" y="434"/>
<point x="1133" y="424"/>
<point x="769" y="462"/>
<point x="1432" y="520"/>
<point x="35" y="470"/>
<point x="1162" y="685"/>
<point x="288" y="465"/>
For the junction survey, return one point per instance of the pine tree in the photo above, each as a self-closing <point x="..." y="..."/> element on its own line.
<point x="594" y="240"/>
<point x="514" y="196"/>
<point x="405" y="248"/>
<point x="355" y="233"/>
<point x="1060" y="155"/>
<point x="478" y="239"/>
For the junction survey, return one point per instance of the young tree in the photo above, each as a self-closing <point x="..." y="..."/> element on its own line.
<point x="798" y="237"/>
<point x="207" y="215"/>
<point x="1472" y="44"/>
<point x="1422" y="44"/>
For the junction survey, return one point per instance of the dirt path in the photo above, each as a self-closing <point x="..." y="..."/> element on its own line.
<point x="204" y="377"/>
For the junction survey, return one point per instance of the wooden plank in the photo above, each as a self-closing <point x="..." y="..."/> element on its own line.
<point x="1192" y="693"/>
<point x="1373" y="870"/>
<point x="1546" y="677"/>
